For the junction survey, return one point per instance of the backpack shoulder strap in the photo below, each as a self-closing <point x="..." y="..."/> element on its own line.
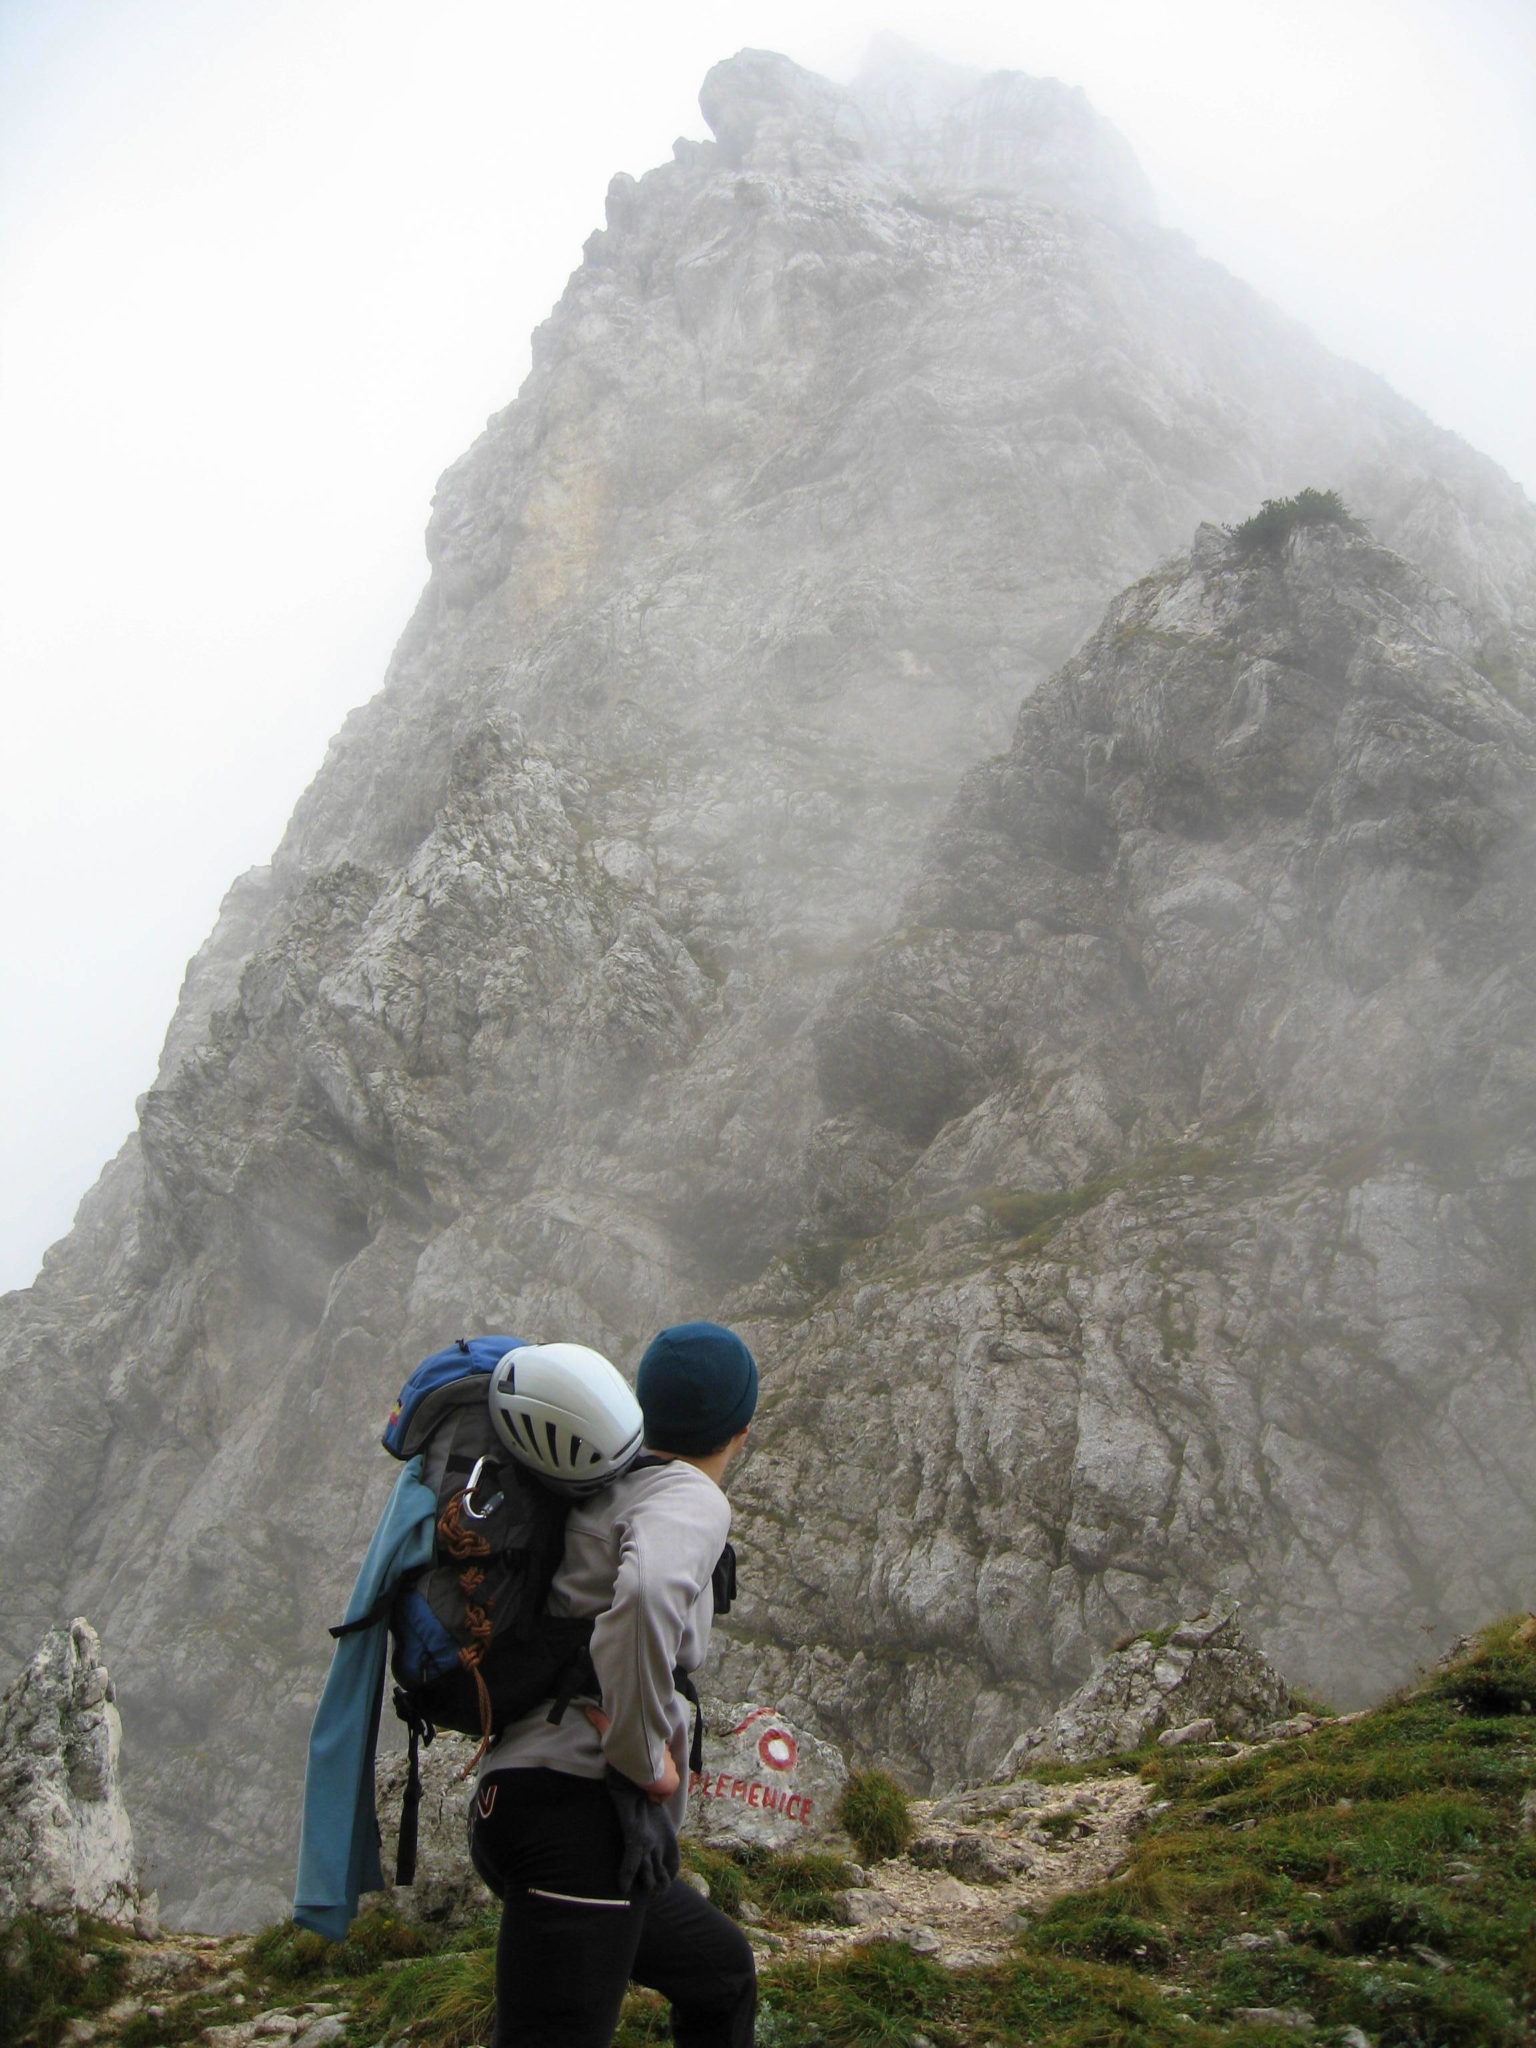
<point x="723" y="1581"/>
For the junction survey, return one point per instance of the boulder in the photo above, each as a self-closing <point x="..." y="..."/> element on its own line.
<point x="66" y="1845"/>
<point x="1205" y="1675"/>
<point x="446" y="1892"/>
<point x="766" y="1783"/>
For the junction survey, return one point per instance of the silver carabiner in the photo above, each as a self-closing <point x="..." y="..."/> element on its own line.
<point x="481" y="1514"/>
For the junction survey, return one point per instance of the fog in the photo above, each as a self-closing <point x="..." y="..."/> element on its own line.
<point x="266" y="272"/>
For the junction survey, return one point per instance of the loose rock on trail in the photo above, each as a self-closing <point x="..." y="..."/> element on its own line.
<point x="981" y="1863"/>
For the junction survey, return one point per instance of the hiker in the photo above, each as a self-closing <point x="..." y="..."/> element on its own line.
<point x="573" y="1823"/>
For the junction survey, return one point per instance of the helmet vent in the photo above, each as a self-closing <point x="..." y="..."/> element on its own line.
<point x="554" y="1445"/>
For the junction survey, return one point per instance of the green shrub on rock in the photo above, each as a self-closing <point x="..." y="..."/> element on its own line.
<point x="877" y="1814"/>
<point x="291" y="1955"/>
<point x="1278" y="518"/>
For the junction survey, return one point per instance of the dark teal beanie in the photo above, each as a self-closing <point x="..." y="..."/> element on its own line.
<point x="697" y="1386"/>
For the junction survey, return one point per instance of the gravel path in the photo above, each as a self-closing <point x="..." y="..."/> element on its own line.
<point x="981" y="1864"/>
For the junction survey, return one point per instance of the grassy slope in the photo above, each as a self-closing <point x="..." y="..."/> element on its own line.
<point x="1376" y="1874"/>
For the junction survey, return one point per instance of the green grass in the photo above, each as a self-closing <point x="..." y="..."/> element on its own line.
<point x="884" y="1994"/>
<point x="1375" y="1873"/>
<point x="1499" y="1677"/>
<point x="448" y="1999"/>
<point x="725" y="1874"/>
<point x="783" y="1889"/>
<point x="388" y="1974"/>
<point x="1455" y="1155"/>
<point x="798" y="1888"/>
<point x="1081" y="1925"/>
<point x="1032" y="1215"/>
<point x="1157" y="1637"/>
<point x="1027" y="1219"/>
<point x="48" y="1978"/>
<point x="1022" y="1223"/>
<point x="1119" y="1764"/>
<point x="876" y="1814"/>
<point x="296" y="1955"/>
<point x="1382" y="1862"/>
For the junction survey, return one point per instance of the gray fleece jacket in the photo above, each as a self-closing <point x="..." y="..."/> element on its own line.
<point x="639" y="1558"/>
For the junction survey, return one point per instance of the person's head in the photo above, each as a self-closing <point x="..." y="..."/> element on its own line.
<point x="566" y="1413"/>
<point x="697" y="1387"/>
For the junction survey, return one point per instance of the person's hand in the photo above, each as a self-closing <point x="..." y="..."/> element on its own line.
<point x="661" y="1789"/>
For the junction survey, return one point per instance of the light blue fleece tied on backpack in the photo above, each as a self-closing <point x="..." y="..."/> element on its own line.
<point x="339" y="1840"/>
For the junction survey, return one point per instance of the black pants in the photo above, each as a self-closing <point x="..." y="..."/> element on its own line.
<point x="548" y="1845"/>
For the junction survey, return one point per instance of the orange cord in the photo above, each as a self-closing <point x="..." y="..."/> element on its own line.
<point x="462" y="1542"/>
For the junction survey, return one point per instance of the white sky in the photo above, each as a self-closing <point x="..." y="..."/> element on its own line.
<point x="267" y="265"/>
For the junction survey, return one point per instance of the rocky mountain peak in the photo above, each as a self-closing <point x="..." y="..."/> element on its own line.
<point x="1266" y="757"/>
<point x="1169" y="1228"/>
<point x="950" y="128"/>
<point x="939" y="129"/>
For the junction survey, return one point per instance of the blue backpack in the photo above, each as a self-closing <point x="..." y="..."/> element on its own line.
<point x="471" y="1646"/>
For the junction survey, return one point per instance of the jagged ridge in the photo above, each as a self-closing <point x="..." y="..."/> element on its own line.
<point x="1180" y="1178"/>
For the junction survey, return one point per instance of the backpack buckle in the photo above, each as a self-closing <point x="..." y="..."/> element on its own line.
<point x="481" y="1512"/>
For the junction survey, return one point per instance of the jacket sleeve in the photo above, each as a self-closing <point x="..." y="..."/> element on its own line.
<point x="667" y="1547"/>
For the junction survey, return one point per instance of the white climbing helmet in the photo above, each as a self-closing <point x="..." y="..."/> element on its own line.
<point x="565" y="1413"/>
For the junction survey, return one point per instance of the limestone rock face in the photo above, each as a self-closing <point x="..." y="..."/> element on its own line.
<point x="581" y="987"/>
<point x="66" y="1844"/>
<point x="1205" y="1671"/>
<point x="1208" y="1034"/>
